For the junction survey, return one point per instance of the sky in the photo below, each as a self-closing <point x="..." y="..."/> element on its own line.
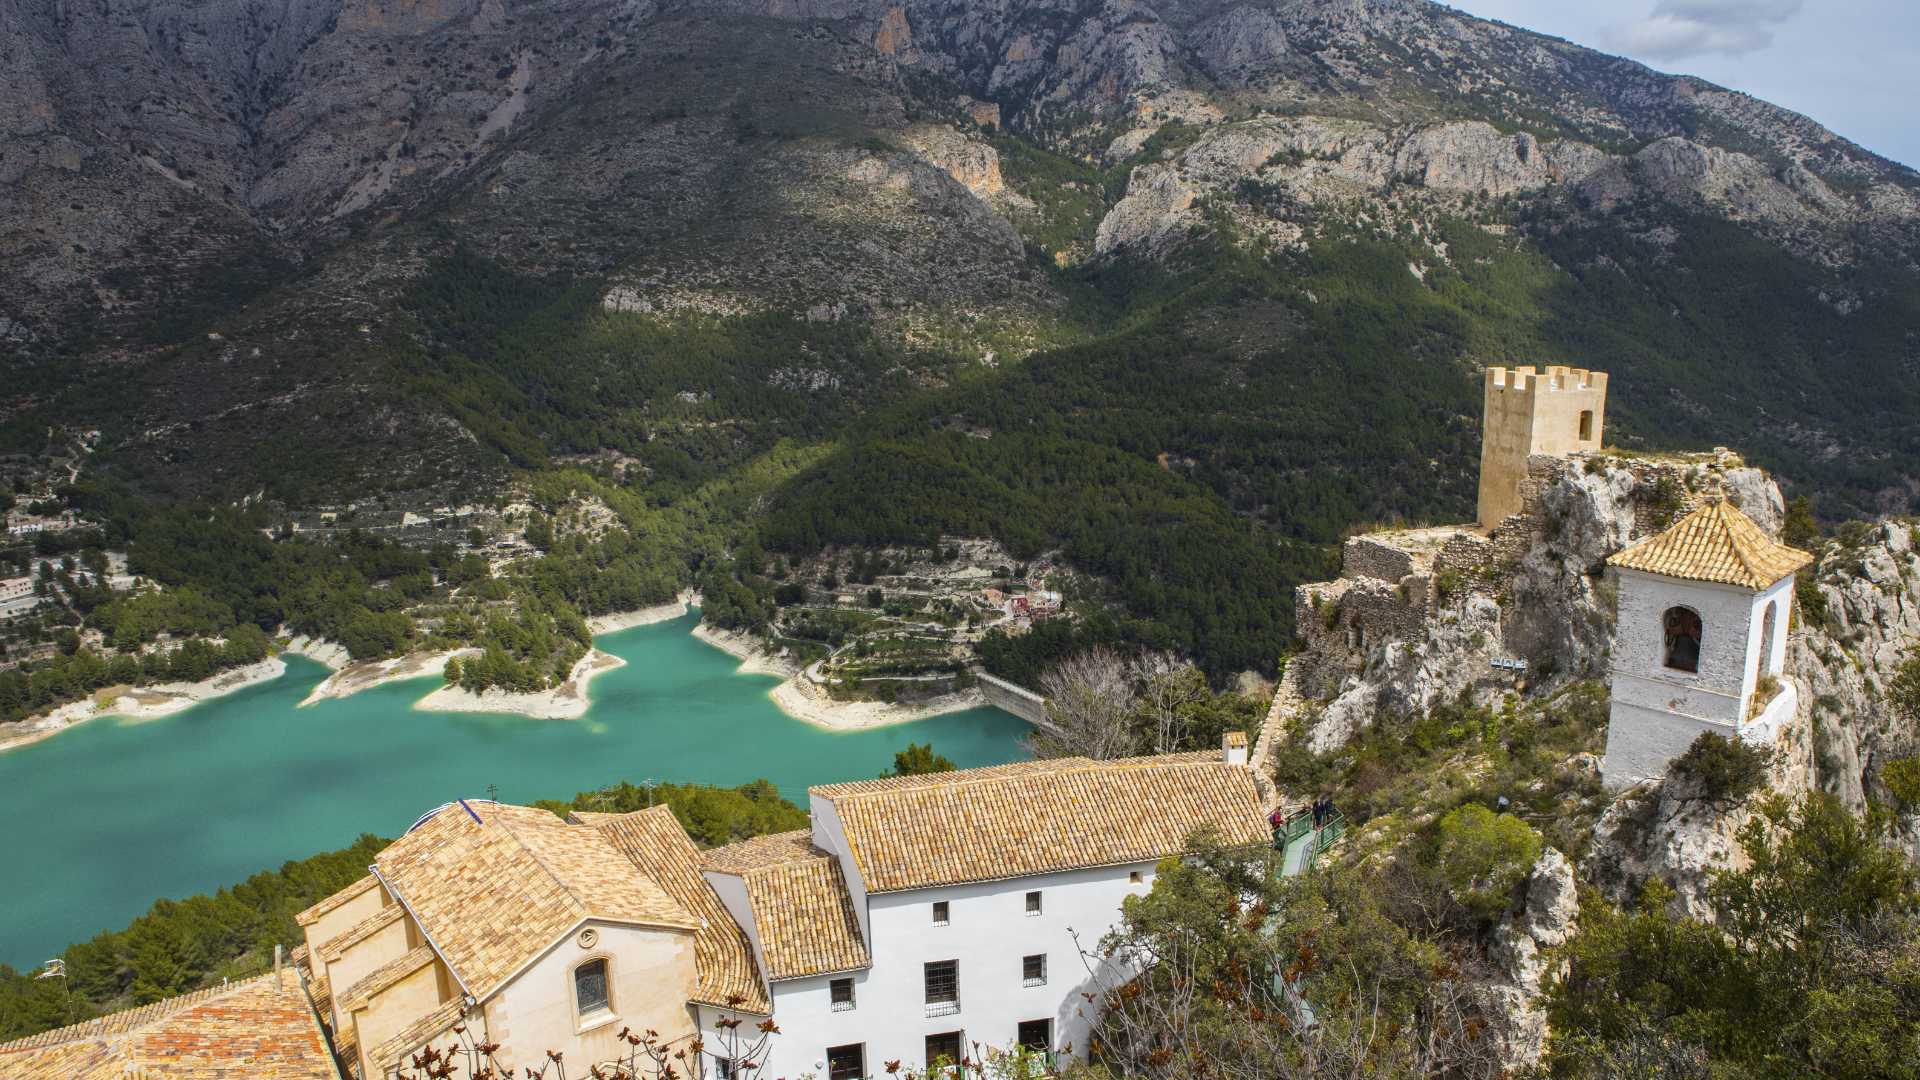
<point x="1852" y="65"/>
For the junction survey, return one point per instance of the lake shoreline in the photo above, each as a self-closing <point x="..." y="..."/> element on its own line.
<point x="137" y="703"/>
<point x="798" y="699"/>
<point x="801" y="700"/>
<point x="567" y="701"/>
<point x="749" y="650"/>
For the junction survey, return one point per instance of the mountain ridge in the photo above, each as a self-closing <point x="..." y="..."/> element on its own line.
<point x="967" y="185"/>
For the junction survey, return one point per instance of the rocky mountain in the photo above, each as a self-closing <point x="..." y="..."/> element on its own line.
<point x="325" y="248"/>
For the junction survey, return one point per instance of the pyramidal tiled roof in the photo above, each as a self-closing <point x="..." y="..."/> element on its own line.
<point x="1715" y="543"/>
<point x="1040" y="817"/>
<point x="493" y="887"/>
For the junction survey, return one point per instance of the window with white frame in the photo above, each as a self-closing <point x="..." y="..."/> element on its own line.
<point x="1033" y="970"/>
<point x="840" y="992"/>
<point x="591" y="997"/>
<point x="847" y="1062"/>
<point x="1033" y="903"/>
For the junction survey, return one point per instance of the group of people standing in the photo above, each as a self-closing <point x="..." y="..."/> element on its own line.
<point x="1322" y="810"/>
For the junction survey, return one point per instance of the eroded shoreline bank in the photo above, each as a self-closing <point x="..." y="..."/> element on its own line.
<point x="568" y="700"/>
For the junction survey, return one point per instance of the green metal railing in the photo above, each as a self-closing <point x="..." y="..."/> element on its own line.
<point x="1300" y="843"/>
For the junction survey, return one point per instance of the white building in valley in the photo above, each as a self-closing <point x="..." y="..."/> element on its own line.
<point x="1701" y="640"/>
<point x="931" y="917"/>
<point x="917" y="918"/>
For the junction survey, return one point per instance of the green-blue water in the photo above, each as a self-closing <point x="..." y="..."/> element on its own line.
<point x="99" y="821"/>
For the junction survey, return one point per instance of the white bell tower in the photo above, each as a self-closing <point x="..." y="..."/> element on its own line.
<point x="1703" y="616"/>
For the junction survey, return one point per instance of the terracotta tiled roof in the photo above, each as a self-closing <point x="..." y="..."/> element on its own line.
<point x="660" y="849"/>
<point x="493" y="894"/>
<point x="313" y="913"/>
<point x="801" y="906"/>
<point x="261" y="1029"/>
<point x="335" y="947"/>
<point x="1715" y="543"/>
<point x="384" y="976"/>
<point x="427" y="1029"/>
<point x="929" y="780"/>
<point x="1040" y="817"/>
<point x="346" y="1047"/>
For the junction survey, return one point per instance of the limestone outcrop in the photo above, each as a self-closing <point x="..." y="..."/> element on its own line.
<point x="1521" y="953"/>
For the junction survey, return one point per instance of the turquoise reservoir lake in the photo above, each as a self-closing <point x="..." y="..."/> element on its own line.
<point x="99" y="821"/>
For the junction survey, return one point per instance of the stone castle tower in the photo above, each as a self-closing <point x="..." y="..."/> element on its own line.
<point x="1558" y="411"/>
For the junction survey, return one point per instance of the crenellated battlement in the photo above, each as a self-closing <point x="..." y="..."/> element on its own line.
<point x="1556" y="378"/>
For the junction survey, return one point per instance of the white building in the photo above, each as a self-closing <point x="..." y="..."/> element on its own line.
<point x="1702" y="629"/>
<point x="928" y="917"/>
<point x="918" y="918"/>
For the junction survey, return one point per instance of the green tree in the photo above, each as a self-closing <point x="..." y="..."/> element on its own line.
<point x="918" y="759"/>
<point x="1482" y="856"/>
<point x="1720" y="770"/>
<point x="1801" y="529"/>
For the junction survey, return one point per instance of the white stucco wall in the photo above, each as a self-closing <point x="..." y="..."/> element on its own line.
<point x="989" y="933"/>
<point x="1657" y="711"/>
<point x="651" y="976"/>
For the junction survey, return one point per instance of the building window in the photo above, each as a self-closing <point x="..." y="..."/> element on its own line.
<point x="1036" y="1035"/>
<point x="1768" y="618"/>
<point x="847" y="1062"/>
<point x="1682" y="639"/>
<point x="1033" y="970"/>
<point x="590" y="989"/>
<point x="943" y="987"/>
<point x="1586" y="425"/>
<point x="1133" y="877"/>
<point x="941" y="913"/>
<point x="1033" y="903"/>
<point x="841" y="991"/>
<point x="943" y="1051"/>
<point x="723" y="1069"/>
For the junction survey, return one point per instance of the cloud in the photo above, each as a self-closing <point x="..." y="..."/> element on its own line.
<point x="1681" y="28"/>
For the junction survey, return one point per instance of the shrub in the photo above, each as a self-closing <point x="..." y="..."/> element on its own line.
<point x="1902" y="777"/>
<point x="1483" y="856"/>
<point x="1724" y="771"/>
